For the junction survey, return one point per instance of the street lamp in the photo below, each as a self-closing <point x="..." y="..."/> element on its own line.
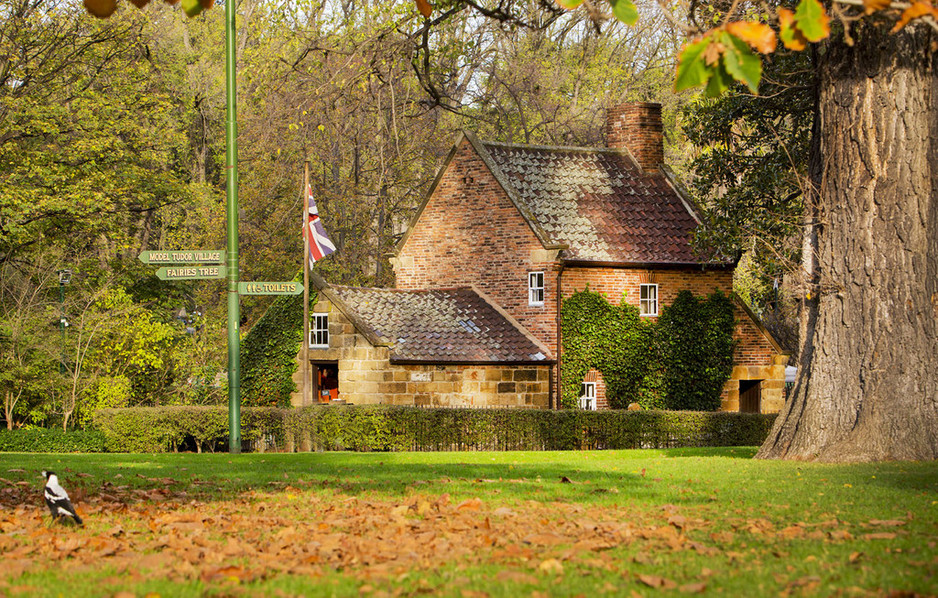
<point x="65" y="277"/>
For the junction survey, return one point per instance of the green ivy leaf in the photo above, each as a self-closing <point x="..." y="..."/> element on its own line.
<point x="740" y="62"/>
<point x="625" y="11"/>
<point x="692" y="70"/>
<point x="812" y="20"/>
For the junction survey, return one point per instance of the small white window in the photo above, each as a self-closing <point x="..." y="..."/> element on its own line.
<point x="588" y="396"/>
<point x="535" y="288"/>
<point x="648" y="300"/>
<point x="319" y="332"/>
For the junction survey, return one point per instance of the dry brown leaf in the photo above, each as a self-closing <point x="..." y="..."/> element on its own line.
<point x="879" y="536"/>
<point x="424" y="7"/>
<point x="516" y="576"/>
<point x="471" y="504"/>
<point x="551" y="567"/>
<point x="693" y="588"/>
<point x="653" y="581"/>
<point x="545" y="539"/>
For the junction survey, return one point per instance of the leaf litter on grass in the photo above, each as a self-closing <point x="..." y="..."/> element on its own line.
<point x="163" y="531"/>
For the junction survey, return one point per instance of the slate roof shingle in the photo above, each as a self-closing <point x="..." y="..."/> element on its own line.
<point x="440" y="325"/>
<point x="598" y="203"/>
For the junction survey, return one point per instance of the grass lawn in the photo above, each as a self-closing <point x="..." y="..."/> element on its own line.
<point x="612" y="523"/>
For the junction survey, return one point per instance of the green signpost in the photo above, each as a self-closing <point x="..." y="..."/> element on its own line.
<point x="183" y="256"/>
<point x="270" y="288"/>
<point x="190" y="272"/>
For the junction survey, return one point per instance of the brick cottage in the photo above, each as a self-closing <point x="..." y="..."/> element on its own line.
<point x="505" y="231"/>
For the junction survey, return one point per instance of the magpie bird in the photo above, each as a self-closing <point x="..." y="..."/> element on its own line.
<point x="57" y="499"/>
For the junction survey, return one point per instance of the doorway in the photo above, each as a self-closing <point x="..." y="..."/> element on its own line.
<point x="325" y="382"/>
<point x="750" y="396"/>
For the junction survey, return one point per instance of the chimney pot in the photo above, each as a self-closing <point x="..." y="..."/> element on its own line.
<point x="638" y="128"/>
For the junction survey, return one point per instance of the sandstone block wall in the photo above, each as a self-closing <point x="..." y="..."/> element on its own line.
<point x="367" y="377"/>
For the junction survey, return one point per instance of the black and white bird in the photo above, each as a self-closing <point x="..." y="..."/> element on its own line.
<point x="57" y="499"/>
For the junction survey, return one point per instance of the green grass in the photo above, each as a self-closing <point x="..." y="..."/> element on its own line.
<point x="738" y="526"/>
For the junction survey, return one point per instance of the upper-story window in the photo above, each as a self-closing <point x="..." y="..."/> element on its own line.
<point x="319" y="332"/>
<point x="535" y="288"/>
<point x="648" y="300"/>
<point x="588" y="396"/>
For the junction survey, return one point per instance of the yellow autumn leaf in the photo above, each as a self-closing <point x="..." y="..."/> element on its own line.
<point x="916" y="11"/>
<point x="759" y="36"/>
<point x="871" y="6"/>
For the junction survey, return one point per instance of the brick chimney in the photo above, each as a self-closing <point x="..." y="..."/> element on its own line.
<point x="637" y="127"/>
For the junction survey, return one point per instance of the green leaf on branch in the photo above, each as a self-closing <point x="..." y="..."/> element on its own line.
<point x="692" y="70"/>
<point x="191" y="7"/>
<point x="625" y="11"/>
<point x="740" y="62"/>
<point x="569" y="4"/>
<point x="719" y="81"/>
<point x="812" y="20"/>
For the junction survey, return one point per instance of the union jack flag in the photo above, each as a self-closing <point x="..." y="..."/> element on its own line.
<point x="319" y="244"/>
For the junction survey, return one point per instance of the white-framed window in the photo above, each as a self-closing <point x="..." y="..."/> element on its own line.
<point x="319" y="332"/>
<point x="588" y="396"/>
<point x="648" y="300"/>
<point x="535" y="288"/>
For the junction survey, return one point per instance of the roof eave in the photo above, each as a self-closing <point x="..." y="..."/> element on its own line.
<point x="575" y="263"/>
<point x="443" y="361"/>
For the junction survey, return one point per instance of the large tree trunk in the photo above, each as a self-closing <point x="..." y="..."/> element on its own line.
<point x="867" y="387"/>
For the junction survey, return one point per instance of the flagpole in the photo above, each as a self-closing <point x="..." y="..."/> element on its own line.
<point x="306" y="397"/>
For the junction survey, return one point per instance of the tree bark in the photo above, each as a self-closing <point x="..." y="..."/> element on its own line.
<point x="867" y="387"/>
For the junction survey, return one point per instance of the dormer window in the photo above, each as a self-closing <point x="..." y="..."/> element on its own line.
<point x="648" y="300"/>
<point x="319" y="332"/>
<point x="535" y="288"/>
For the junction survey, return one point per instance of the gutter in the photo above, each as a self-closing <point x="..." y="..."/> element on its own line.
<point x="559" y="353"/>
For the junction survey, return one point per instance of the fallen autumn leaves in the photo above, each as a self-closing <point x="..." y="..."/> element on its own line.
<point x="174" y="531"/>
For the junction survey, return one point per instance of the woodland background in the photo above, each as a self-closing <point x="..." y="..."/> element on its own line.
<point x="112" y="142"/>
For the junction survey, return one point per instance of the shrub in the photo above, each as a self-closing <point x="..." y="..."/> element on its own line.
<point x="43" y="440"/>
<point x="165" y="429"/>
<point x="400" y="428"/>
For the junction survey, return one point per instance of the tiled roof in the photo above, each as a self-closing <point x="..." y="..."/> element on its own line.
<point x="444" y="325"/>
<point x="598" y="203"/>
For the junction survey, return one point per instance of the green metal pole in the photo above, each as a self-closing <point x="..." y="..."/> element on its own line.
<point x="62" y="322"/>
<point x="234" y="308"/>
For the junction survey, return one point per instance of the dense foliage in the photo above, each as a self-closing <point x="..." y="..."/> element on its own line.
<point x="112" y="143"/>
<point x="268" y="354"/>
<point x="399" y="428"/>
<point x="43" y="440"/>
<point x="680" y="362"/>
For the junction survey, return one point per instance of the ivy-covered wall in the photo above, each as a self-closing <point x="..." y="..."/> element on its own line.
<point x="268" y="354"/>
<point x="681" y="361"/>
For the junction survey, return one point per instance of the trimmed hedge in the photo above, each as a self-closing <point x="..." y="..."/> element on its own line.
<point x="399" y="428"/>
<point x="167" y="429"/>
<point x="43" y="440"/>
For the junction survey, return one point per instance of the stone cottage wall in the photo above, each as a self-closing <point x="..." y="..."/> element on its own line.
<point x="367" y="377"/>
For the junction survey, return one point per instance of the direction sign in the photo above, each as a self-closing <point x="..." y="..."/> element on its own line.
<point x="183" y="256"/>
<point x="270" y="288"/>
<point x="191" y="272"/>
